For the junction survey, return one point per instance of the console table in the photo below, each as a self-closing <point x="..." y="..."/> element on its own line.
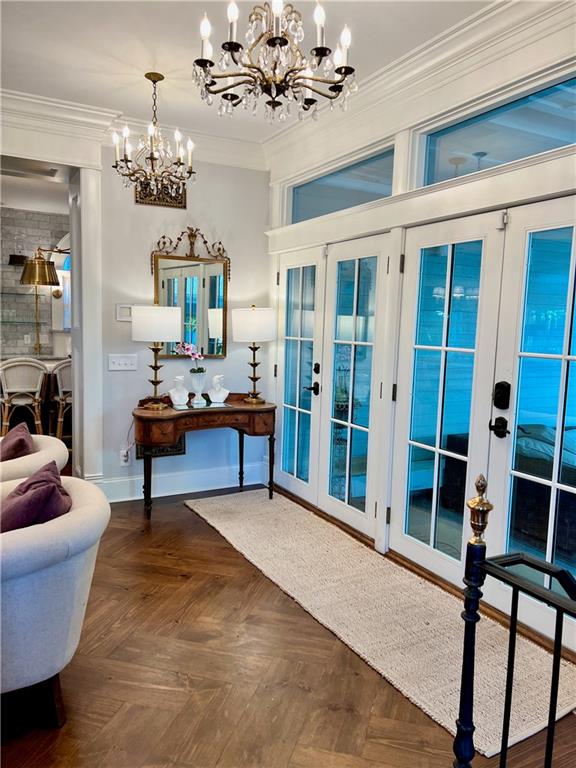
<point x="163" y="428"/>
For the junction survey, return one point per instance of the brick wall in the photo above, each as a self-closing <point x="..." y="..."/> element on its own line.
<point x="24" y="231"/>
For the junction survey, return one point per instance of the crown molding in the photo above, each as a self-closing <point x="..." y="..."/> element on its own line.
<point x="26" y="118"/>
<point x="498" y="45"/>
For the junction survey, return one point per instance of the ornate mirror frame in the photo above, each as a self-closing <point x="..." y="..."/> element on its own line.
<point x="167" y="248"/>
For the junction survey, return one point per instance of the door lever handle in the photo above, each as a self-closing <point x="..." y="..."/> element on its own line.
<point x="315" y="388"/>
<point x="500" y="427"/>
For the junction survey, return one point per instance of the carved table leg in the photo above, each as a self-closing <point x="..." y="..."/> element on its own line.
<point x="147" y="487"/>
<point x="241" y="458"/>
<point x="271" y="441"/>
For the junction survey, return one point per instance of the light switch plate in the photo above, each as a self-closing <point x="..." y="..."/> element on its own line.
<point x="122" y="362"/>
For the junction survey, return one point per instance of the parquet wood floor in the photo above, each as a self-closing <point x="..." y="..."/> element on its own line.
<point x="191" y="658"/>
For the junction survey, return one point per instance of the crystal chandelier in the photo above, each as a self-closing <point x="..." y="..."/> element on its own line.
<point x="273" y="66"/>
<point x="157" y="172"/>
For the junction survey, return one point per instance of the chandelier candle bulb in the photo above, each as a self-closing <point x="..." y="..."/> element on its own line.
<point x="116" y="142"/>
<point x="277" y="10"/>
<point x="190" y="147"/>
<point x="320" y="21"/>
<point x="178" y="141"/>
<point x="125" y="135"/>
<point x="345" y="42"/>
<point x="205" y="32"/>
<point x="233" y="14"/>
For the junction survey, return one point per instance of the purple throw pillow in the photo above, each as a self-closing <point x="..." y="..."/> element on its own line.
<point x="18" y="442"/>
<point x="38" y="499"/>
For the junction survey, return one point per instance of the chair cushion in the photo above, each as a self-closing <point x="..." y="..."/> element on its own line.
<point x="16" y="443"/>
<point x="40" y="498"/>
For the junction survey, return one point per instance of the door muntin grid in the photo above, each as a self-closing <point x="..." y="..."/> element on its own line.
<point x="542" y="498"/>
<point x="298" y="362"/>
<point x="442" y="382"/>
<point x="352" y="340"/>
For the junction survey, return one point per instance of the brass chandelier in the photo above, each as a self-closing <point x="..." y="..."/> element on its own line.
<point x="158" y="173"/>
<point x="273" y="65"/>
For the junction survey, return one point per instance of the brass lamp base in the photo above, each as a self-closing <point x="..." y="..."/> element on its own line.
<point x="155" y="403"/>
<point x="251" y="400"/>
<point x="155" y="406"/>
<point x="254" y="396"/>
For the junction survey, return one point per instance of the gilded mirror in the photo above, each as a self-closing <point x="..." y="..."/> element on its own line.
<point x="198" y="284"/>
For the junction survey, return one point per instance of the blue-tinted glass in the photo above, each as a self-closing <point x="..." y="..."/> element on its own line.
<point x="288" y="440"/>
<point x="362" y="182"/>
<point x="361" y="389"/>
<point x="67" y="263"/>
<point x="358" y="462"/>
<point x="293" y="302"/>
<point x="338" y="453"/>
<point x="529" y="512"/>
<point x="568" y="462"/>
<point x="565" y="540"/>
<point x="291" y="372"/>
<point x="366" y="301"/>
<point x="191" y="310"/>
<point x="538" y="388"/>
<point x="431" y="294"/>
<point x="464" y="293"/>
<point x="547" y="281"/>
<point x="305" y="374"/>
<point x="345" y="300"/>
<point x="533" y="124"/>
<point x="341" y="381"/>
<point x="426" y="387"/>
<point x="308" y="289"/>
<point x="420" y="488"/>
<point x="457" y="398"/>
<point x="451" y="505"/>
<point x="303" y="459"/>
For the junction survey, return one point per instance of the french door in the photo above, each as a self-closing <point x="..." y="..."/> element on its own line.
<point x="332" y="331"/>
<point x="488" y="333"/>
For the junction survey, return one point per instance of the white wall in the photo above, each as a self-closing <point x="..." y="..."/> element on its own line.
<point x="228" y="204"/>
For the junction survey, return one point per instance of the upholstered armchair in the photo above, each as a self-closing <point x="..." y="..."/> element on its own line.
<point x="46" y="573"/>
<point x="46" y="449"/>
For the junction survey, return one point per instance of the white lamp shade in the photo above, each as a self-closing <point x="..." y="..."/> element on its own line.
<point x="156" y="323"/>
<point x="254" y="324"/>
<point x="215" y="318"/>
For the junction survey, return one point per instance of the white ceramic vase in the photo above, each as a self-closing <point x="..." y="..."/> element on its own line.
<point x="198" y="381"/>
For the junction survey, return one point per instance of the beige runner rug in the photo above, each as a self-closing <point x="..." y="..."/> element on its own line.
<point x="406" y="628"/>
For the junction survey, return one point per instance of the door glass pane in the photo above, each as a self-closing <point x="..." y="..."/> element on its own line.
<point x="308" y="293"/>
<point x="366" y="300"/>
<point x="338" y="460"/>
<point x="293" y="302"/>
<point x="431" y="295"/>
<point x="303" y="460"/>
<point x="341" y="381"/>
<point x="361" y="390"/>
<point x="538" y="390"/>
<point x="568" y="459"/>
<point x="420" y="493"/>
<point x="546" y="291"/>
<point x="352" y="379"/>
<point x="457" y="400"/>
<point x="358" y="465"/>
<point x="425" y="394"/>
<point x="465" y="291"/>
<point x="305" y="375"/>
<point x="191" y="310"/>
<point x="451" y="501"/>
<point x="529" y="517"/>
<point x="565" y="540"/>
<point x="345" y="300"/>
<point x="291" y="372"/>
<point x="288" y="440"/>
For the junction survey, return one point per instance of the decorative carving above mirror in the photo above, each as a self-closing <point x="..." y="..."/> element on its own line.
<point x="196" y="281"/>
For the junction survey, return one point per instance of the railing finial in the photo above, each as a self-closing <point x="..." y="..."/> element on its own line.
<point x="479" y="508"/>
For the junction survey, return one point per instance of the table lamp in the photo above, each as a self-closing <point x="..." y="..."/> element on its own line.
<point x="156" y="325"/>
<point x="39" y="271"/>
<point x="254" y="325"/>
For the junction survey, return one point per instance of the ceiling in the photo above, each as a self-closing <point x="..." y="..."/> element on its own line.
<point x="97" y="52"/>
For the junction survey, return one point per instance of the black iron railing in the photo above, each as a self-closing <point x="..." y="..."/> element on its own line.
<point x="558" y="590"/>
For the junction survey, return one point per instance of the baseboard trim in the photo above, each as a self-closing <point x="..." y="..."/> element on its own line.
<point x="129" y="488"/>
<point x="486" y="610"/>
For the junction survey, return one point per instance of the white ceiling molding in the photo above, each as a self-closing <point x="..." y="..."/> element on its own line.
<point x="496" y="49"/>
<point x="79" y="131"/>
